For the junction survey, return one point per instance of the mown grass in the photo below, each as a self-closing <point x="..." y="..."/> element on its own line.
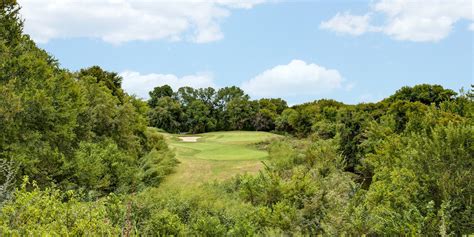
<point x="216" y="156"/>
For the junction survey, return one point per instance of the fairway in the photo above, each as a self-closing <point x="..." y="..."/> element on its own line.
<point x="216" y="156"/>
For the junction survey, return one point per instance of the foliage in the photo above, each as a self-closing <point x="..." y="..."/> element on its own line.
<point x="74" y="130"/>
<point x="205" y="109"/>
<point x="401" y="166"/>
<point x="159" y="92"/>
<point x="422" y="182"/>
<point x="44" y="212"/>
<point x="8" y="174"/>
<point x="110" y="79"/>
<point x="423" y="93"/>
<point x="159" y="162"/>
<point x="167" y="115"/>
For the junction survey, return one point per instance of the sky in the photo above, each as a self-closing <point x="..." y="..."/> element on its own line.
<point x="351" y="51"/>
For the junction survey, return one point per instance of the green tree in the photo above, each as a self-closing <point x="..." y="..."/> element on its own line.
<point x="103" y="167"/>
<point x="110" y="79"/>
<point x="168" y="115"/>
<point x="159" y="92"/>
<point x="199" y="117"/>
<point x="11" y="26"/>
<point x="227" y="94"/>
<point x="417" y="180"/>
<point x="239" y="113"/>
<point x="283" y="122"/>
<point x="186" y="95"/>
<point x="423" y="93"/>
<point x="264" y="120"/>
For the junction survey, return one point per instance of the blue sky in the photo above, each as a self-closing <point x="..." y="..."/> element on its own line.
<point x="351" y="51"/>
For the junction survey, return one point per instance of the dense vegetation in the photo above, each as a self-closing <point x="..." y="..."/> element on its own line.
<point x="207" y="109"/>
<point x="77" y="157"/>
<point x="76" y="131"/>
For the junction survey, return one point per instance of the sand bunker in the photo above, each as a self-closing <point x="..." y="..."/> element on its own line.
<point x="189" y="139"/>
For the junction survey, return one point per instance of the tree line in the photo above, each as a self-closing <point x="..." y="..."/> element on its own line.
<point x="207" y="109"/>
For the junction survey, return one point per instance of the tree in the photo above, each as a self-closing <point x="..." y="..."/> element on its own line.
<point x="417" y="180"/>
<point x="275" y="105"/>
<point x="207" y="96"/>
<point x="239" y="113"/>
<point x="227" y="94"/>
<point x="186" y="95"/>
<point x="110" y="79"/>
<point x="102" y="167"/>
<point x="423" y="93"/>
<point x="353" y="123"/>
<point x="11" y="26"/>
<point x="264" y="120"/>
<point x="199" y="118"/>
<point x="223" y="98"/>
<point x="403" y="110"/>
<point x="295" y="120"/>
<point x="168" y="114"/>
<point x="46" y="112"/>
<point x="283" y="122"/>
<point x="159" y="92"/>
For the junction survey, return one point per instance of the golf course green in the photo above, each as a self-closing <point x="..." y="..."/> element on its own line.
<point x="215" y="156"/>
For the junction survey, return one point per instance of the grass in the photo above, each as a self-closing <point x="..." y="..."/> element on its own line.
<point x="216" y="156"/>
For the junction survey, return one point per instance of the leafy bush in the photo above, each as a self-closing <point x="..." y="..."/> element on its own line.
<point x="52" y="212"/>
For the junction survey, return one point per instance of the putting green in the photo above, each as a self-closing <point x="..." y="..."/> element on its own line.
<point x="216" y="156"/>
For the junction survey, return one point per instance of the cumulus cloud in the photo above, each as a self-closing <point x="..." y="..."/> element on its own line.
<point x="137" y="84"/>
<point x="412" y="20"/>
<point x="119" y="21"/>
<point x="295" y="79"/>
<point x="348" y="23"/>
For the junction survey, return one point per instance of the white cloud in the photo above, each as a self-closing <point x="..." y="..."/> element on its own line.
<point x="471" y="27"/>
<point x="347" y="23"/>
<point x="119" y="21"/>
<point x="138" y="84"/>
<point x="296" y="79"/>
<point x="412" y="20"/>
